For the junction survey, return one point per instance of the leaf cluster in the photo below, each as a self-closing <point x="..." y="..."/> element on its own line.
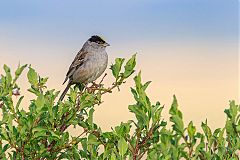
<point x="41" y="131"/>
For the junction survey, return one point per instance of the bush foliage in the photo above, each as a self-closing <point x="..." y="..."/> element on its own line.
<point x="40" y="132"/>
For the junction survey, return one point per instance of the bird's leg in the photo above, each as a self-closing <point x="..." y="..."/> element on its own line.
<point x="92" y="88"/>
<point x="95" y="85"/>
<point x="103" y="78"/>
<point x="86" y="88"/>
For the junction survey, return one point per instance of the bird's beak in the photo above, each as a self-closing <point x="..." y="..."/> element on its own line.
<point x="106" y="44"/>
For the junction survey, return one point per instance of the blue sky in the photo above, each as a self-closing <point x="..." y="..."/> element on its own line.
<point x="152" y="20"/>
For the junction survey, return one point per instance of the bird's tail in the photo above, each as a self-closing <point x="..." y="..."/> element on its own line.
<point x="65" y="92"/>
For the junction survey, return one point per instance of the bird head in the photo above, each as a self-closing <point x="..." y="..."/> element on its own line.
<point x="97" y="40"/>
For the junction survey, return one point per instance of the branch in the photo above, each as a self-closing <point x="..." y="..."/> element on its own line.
<point x="95" y="87"/>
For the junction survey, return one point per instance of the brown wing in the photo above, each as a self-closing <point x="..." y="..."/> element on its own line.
<point x="77" y="62"/>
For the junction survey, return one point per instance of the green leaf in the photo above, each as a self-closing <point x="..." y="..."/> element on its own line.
<point x="92" y="139"/>
<point x="229" y="127"/>
<point x="6" y="146"/>
<point x="143" y="99"/>
<point x="174" y="108"/>
<point x="146" y="85"/>
<point x="38" y="129"/>
<point x="129" y="67"/>
<point x="8" y="75"/>
<point x="19" y="102"/>
<point x="157" y="113"/>
<point x="139" y="113"/>
<point x="191" y="130"/>
<point x="113" y="156"/>
<point x="207" y="130"/>
<point x="135" y="94"/>
<point x="19" y="71"/>
<point x="123" y="129"/>
<point x="53" y="134"/>
<point x="32" y="77"/>
<point x="233" y="110"/>
<point x="122" y="146"/>
<point x="116" y="68"/>
<point x="40" y="102"/>
<point x="75" y="153"/>
<point x="137" y="80"/>
<point x="238" y="128"/>
<point x="40" y="134"/>
<point x="176" y="117"/>
<point x="90" y="117"/>
<point x="178" y="125"/>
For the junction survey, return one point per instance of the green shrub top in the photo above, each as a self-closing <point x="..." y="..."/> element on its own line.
<point x="41" y="131"/>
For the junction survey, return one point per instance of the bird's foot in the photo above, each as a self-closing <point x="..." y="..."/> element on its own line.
<point x="95" y="85"/>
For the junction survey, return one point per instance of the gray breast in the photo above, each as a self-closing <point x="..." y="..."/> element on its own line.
<point x="99" y="65"/>
<point x="93" y="67"/>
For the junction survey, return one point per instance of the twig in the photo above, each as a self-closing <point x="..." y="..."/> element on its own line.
<point x="140" y="144"/>
<point x="73" y="142"/>
<point x="135" y="153"/>
<point x="63" y="127"/>
<point x="132" y="148"/>
<point x="103" y="78"/>
<point x="97" y="134"/>
<point x="22" y="152"/>
<point x="143" y="153"/>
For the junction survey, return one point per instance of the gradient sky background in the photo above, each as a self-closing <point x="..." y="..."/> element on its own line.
<point x="186" y="47"/>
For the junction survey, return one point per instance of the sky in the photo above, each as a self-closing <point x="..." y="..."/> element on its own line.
<point x="185" y="47"/>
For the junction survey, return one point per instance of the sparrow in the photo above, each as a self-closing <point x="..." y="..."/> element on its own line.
<point x="88" y="65"/>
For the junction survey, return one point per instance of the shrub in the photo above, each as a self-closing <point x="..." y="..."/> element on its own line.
<point x="41" y="131"/>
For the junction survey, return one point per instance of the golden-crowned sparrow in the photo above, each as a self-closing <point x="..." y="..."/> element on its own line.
<point x="89" y="64"/>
